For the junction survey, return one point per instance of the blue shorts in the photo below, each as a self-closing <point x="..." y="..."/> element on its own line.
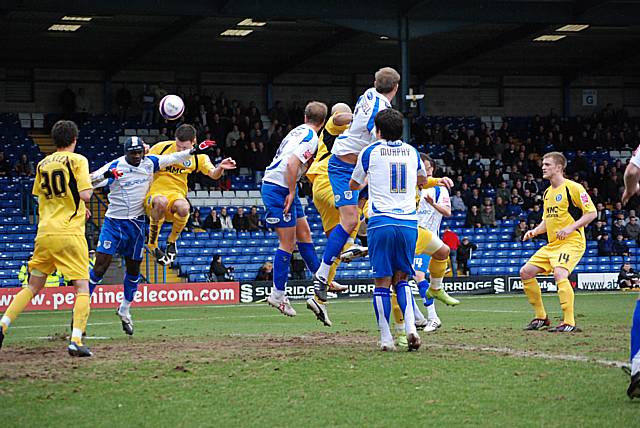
<point x="273" y="197"/>
<point x="123" y="236"/>
<point x="421" y="262"/>
<point x="339" y="177"/>
<point x="391" y="249"/>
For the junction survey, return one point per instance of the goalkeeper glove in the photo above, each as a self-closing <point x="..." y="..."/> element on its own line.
<point x="113" y="173"/>
<point x="203" y="147"/>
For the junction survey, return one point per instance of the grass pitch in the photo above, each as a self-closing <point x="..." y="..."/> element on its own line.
<point x="250" y="366"/>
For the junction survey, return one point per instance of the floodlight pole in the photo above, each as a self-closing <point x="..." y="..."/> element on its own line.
<point x="406" y="75"/>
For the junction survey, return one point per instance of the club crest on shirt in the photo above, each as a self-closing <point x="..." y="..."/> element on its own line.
<point x="286" y="217"/>
<point x="348" y="194"/>
<point x="106" y="245"/>
<point x="558" y="197"/>
<point x="187" y="163"/>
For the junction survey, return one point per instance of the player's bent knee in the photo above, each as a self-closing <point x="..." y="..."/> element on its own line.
<point x="181" y="207"/>
<point x="442" y="253"/>
<point x="160" y="203"/>
<point x="526" y="273"/>
<point x="560" y="274"/>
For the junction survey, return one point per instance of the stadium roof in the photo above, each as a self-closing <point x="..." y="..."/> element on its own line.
<point x="454" y="36"/>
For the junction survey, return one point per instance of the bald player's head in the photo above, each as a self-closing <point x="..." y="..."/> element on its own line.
<point x="340" y="108"/>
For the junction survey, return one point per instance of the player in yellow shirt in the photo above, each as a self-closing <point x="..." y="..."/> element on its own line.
<point x="62" y="185"/>
<point x="167" y="198"/>
<point x="567" y="210"/>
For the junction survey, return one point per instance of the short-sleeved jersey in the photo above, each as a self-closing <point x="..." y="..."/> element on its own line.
<point x="362" y="131"/>
<point x="60" y="177"/>
<point x="428" y="217"/>
<point x="173" y="178"/>
<point x="393" y="168"/>
<point x="126" y="194"/>
<point x="325" y="143"/>
<point x="564" y="205"/>
<point x="301" y="142"/>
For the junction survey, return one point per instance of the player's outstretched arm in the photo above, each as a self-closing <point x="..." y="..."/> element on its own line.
<point x="538" y="230"/>
<point x="100" y="177"/>
<point x="442" y="181"/>
<point x="442" y="208"/>
<point x="631" y="182"/>
<point x="226" y="164"/>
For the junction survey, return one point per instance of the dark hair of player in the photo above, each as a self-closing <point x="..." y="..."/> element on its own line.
<point x="186" y="132"/>
<point x="428" y="159"/>
<point x="64" y="133"/>
<point x="386" y="80"/>
<point x="389" y="123"/>
<point x="316" y="113"/>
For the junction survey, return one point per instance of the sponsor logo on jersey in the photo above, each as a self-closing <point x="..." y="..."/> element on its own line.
<point x="584" y="197"/>
<point x="273" y="220"/>
<point x="558" y="197"/>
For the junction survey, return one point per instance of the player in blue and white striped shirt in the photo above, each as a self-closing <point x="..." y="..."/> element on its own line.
<point x="393" y="169"/>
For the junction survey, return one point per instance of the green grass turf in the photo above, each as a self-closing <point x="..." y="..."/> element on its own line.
<point x="249" y="366"/>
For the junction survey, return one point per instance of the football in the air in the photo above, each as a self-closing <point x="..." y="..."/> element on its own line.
<point x="171" y="107"/>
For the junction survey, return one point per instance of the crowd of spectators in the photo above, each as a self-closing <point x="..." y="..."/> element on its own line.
<point x="23" y="167"/>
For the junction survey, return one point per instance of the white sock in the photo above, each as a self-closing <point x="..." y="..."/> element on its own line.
<point x="409" y="316"/>
<point x="6" y="321"/>
<point x="436" y="283"/>
<point x="323" y="271"/>
<point x="278" y="294"/>
<point x="431" y="311"/>
<point x="400" y="328"/>
<point x="635" y="364"/>
<point x="124" y="307"/>
<point x="76" y="332"/>
<point x="417" y="312"/>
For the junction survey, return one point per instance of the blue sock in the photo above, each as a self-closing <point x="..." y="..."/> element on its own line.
<point x="94" y="280"/>
<point x="423" y="286"/>
<point x="308" y="253"/>
<point x="281" y="263"/>
<point x="130" y="286"/>
<point x="336" y="241"/>
<point x="382" y="308"/>
<point x="635" y="334"/>
<point x="405" y="301"/>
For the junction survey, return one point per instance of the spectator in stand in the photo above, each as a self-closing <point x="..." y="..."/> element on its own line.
<point x="597" y="230"/>
<point x="527" y="200"/>
<point x="474" y="198"/>
<point x="265" y="273"/>
<point x="233" y="135"/>
<point x="530" y="184"/>
<point x="240" y="221"/>
<point x="535" y="215"/>
<point x="148" y="101"/>
<point x="465" y="252"/>
<point x="488" y="216"/>
<point x="503" y="191"/>
<point x="457" y="204"/>
<point x="501" y="209"/>
<point x="514" y="209"/>
<point x="601" y="213"/>
<point x="628" y="278"/>
<point x="618" y="210"/>
<point x="225" y="220"/>
<point x="24" y="167"/>
<point x="123" y="101"/>
<point x="596" y="197"/>
<point x="632" y="229"/>
<point x="520" y="230"/>
<point x="253" y="220"/>
<point x="618" y="227"/>
<point x="261" y="161"/>
<point x="212" y="222"/>
<point x="605" y="245"/>
<point x="67" y="101"/>
<point x="164" y="135"/>
<point x="619" y="247"/>
<point x="473" y="218"/>
<point x="450" y="238"/>
<point x="195" y="222"/>
<point x="218" y="271"/>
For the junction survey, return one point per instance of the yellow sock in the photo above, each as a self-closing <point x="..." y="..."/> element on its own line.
<point x="532" y="290"/>
<point x="20" y="301"/>
<point x="81" y="311"/>
<point x="154" y="231"/>
<point x="437" y="268"/>
<point x="332" y="270"/>
<point x="398" y="316"/>
<point x="179" y="223"/>
<point x="565" y="293"/>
